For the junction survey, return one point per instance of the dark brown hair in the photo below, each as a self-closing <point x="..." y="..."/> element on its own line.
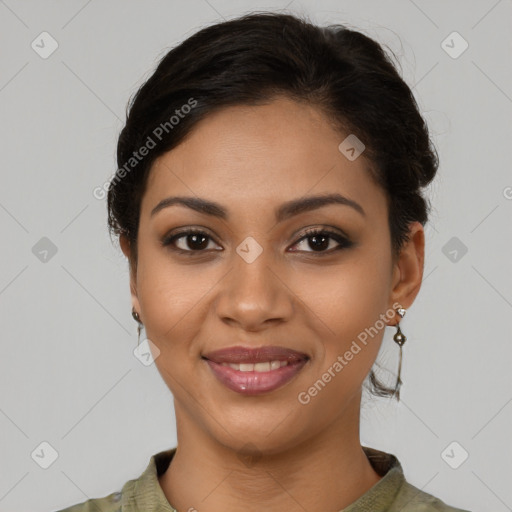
<point x="252" y="60"/>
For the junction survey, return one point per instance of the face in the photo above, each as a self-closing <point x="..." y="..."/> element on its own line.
<point x="252" y="279"/>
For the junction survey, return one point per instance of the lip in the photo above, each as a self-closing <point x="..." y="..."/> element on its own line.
<point x="239" y="354"/>
<point x="255" y="383"/>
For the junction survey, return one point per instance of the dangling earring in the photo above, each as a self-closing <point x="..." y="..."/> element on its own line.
<point x="400" y="339"/>
<point x="139" y="326"/>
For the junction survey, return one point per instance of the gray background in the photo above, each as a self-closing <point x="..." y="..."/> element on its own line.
<point x="68" y="375"/>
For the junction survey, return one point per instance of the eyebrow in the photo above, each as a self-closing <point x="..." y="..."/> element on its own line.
<point x="283" y="212"/>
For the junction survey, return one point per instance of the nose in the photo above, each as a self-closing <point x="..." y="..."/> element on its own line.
<point x="254" y="295"/>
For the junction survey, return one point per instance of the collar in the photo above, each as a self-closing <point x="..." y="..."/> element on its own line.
<point x="144" y="494"/>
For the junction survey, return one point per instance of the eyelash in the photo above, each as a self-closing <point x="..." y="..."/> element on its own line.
<point x="343" y="241"/>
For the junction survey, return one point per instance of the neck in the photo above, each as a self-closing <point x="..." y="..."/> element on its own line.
<point x="326" y="472"/>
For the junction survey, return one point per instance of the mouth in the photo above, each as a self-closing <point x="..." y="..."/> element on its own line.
<point x="246" y="355"/>
<point x="253" y="371"/>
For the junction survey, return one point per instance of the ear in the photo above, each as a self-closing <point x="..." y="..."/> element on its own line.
<point x="126" y="248"/>
<point x="408" y="269"/>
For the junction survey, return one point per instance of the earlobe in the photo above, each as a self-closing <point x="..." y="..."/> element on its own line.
<point x="135" y="300"/>
<point x="125" y="247"/>
<point x="408" y="272"/>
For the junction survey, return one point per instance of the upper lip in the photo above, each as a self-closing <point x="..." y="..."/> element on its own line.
<point x="239" y="354"/>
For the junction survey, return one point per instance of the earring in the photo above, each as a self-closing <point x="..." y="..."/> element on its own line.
<point x="136" y="317"/>
<point x="400" y="339"/>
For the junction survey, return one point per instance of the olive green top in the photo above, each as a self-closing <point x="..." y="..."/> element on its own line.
<point x="392" y="493"/>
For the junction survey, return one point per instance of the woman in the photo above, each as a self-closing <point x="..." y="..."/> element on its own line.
<point x="269" y="201"/>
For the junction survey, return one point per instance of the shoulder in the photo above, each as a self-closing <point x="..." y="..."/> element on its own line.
<point x="110" y="503"/>
<point x="412" y="499"/>
<point x="137" y="493"/>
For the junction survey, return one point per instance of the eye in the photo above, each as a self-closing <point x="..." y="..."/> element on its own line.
<point x="194" y="239"/>
<point x="321" y="239"/>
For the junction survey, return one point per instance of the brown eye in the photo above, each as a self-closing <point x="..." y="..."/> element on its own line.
<point x="197" y="241"/>
<point x="193" y="241"/>
<point x="320" y="240"/>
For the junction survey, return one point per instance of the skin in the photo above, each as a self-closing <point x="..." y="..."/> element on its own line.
<point x="251" y="159"/>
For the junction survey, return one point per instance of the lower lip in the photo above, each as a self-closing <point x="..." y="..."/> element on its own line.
<point x="255" y="383"/>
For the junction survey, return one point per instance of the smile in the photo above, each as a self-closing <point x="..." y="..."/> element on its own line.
<point x="258" y="367"/>
<point x="258" y="378"/>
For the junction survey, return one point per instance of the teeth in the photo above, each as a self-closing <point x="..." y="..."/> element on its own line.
<point x="274" y="365"/>
<point x="257" y="367"/>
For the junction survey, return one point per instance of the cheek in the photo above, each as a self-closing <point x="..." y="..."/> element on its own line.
<point x="343" y="305"/>
<point x="172" y="299"/>
<point x="347" y="296"/>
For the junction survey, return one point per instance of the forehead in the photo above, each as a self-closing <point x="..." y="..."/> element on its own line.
<point x="251" y="156"/>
